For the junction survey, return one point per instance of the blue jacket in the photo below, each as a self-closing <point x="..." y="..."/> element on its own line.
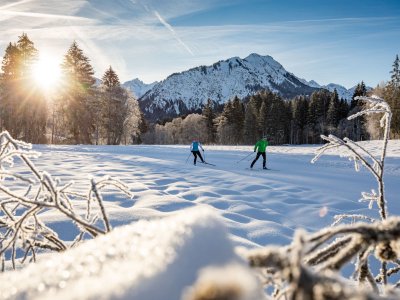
<point x="195" y="146"/>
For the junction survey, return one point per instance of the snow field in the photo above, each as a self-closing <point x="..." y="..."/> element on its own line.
<point x="185" y="218"/>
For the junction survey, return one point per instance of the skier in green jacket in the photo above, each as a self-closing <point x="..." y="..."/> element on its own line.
<point x="261" y="145"/>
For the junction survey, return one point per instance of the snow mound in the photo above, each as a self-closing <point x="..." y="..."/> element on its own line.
<point x="153" y="259"/>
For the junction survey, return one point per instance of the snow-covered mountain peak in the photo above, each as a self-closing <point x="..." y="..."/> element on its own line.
<point x="138" y="87"/>
<point x="341" y="90"/>
<point x="257" y="59"/>
<point x="313" y="83"/>
<point x="188" y="91"/>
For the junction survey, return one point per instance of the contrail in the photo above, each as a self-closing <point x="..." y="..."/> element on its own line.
<point x="5" y="10"/>
<point x="169" y="27"/>
<point x="14" y="4"/>
<point x="40" y="15"/>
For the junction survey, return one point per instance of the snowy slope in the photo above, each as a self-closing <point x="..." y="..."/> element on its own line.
<point x="166" y="221"/>
<point x="138" y="87"/>
<point x="187" y="91"/>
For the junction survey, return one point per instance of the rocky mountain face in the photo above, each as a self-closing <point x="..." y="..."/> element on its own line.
<point x="188" y="91"/>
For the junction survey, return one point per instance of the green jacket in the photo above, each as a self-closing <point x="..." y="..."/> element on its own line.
<point x="261" y="145"/>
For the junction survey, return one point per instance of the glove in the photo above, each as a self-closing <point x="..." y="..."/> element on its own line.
<point x="254" y="150"/>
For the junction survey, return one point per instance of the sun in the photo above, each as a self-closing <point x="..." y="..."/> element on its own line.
<point x="47" y="72"/>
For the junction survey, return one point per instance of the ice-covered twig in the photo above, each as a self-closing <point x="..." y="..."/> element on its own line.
<point x="100" y="202"/>
<point x="360" y="154"/>
<point x="335" y="142"/>
<point x="329" y="251"/>
<point x="369" y="197"/>
<point x="339" y="218"/>
<point x="305" y="270"/>
<point x="295" y="280"/>
<point x="20" y="225"/>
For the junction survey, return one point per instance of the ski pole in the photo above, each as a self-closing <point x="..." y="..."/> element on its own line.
<point x="187" y="158"/>
<point x="244" y="158"/>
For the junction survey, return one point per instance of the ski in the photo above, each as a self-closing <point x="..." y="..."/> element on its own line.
<point x="260" y="170"/>
<point x="209" y="164"/>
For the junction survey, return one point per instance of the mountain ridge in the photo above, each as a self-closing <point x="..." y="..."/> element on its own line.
<point x="188" y="91"/>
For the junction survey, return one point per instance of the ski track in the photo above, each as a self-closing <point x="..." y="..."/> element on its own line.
<point x="258" y="207"/>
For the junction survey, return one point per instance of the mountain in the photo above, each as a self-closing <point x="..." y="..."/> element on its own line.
<point x="138" y="87"/>
<point x="343" y="93"/>
<point x="188" y="91"/>
<point x="98" y="82"/>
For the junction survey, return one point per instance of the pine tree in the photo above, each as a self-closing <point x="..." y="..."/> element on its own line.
<point x="33" y="108"/>
<point x="299" y="116"/>
<point x="343" y="109"/>
<point x="209" y="115"/>
<point x="9" y="77"/>
<point x="288" y="108"/>
<point x="262" y="119"/>
<point x="227" y="112"/>
<point x="225" y="124"/>
<point x="28" y="55"/>
<point x="392" y="96"/>
<point x="143" y="127"/>
<point x="395" y="77"/>
<point x="250" y="131"/>
<point x="360" y="90"/>
<point x="78" y="95"/>
<point x="10" y="63"/>
<point x="358" y="130"/>
<point x="110" y="79"/>
<point x="23" y="108"/>
<point x="114" y="107"/>
<point x="332" y="117"/>
<point x="318" y="108"/>
<point x="238" y="120"/>
<point x="277" y="121"/>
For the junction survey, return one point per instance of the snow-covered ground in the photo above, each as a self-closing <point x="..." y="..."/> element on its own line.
<point x="176" y="205"/>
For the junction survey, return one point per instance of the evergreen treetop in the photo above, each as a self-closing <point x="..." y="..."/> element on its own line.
<point x="77" y="68"/>
<point x="395" y="77"/>
<point x="110" y="79"/>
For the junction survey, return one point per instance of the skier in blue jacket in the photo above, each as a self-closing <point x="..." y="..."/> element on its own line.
<point x="194" y="147"/>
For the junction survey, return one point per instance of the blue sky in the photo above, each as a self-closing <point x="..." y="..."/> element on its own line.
<point x="324" y="40"/>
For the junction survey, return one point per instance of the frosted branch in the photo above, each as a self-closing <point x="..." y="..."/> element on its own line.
<point x="25" y="230"/>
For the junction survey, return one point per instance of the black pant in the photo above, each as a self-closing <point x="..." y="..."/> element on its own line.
<point x="258" y="155"/>
<point x="195" y="153"/>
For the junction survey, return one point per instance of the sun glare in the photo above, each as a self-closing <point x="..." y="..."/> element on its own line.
<point x="47" y="72"/>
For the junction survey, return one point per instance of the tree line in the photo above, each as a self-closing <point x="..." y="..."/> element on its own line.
<point x="78" y="112"/>
<point x="300" y="120"/>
